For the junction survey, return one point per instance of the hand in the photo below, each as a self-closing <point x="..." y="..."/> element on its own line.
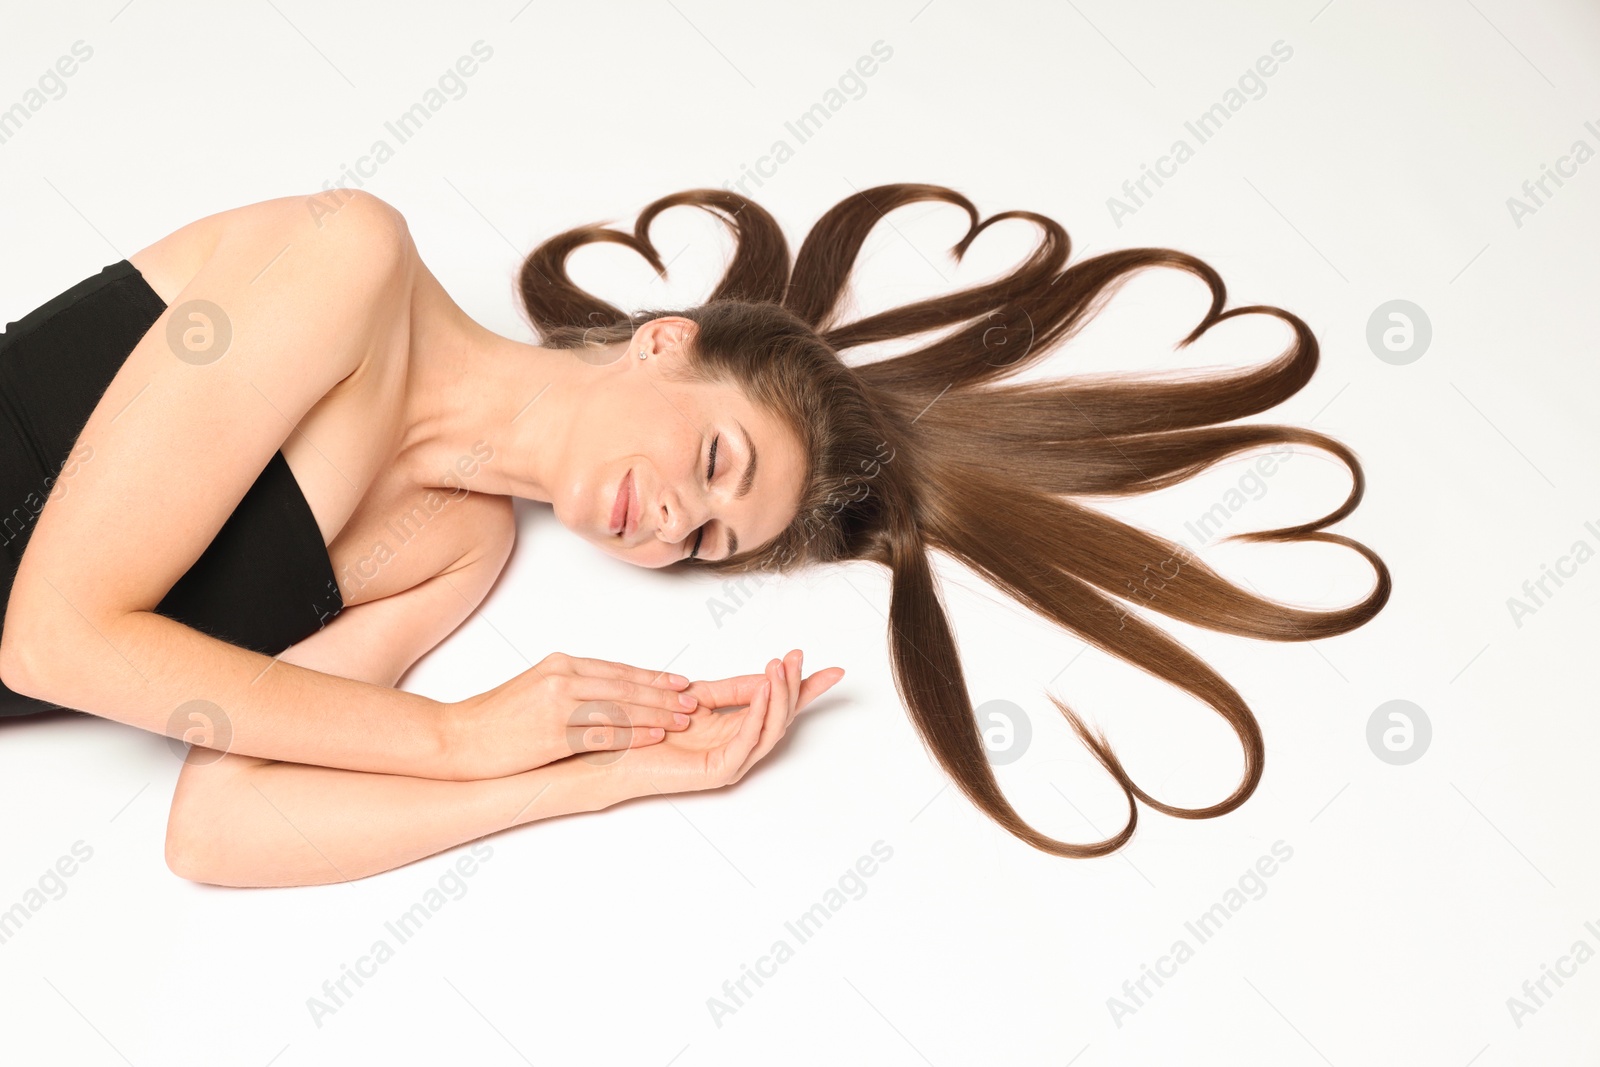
<point x="561" y="706"/>
<point x="720" y="746"/>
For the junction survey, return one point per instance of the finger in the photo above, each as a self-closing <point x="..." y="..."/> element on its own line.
<point x="776" y="714"/>
<point x="791" y="684"/>
<point x="733" y="692"/>
<point x="794" y="662"/>
<point x="737" y="691"/>
<point x="787" y="672"/>
<point x="609" y="736"/>
<point x="615" y="738"/>
<point x="640" y="738"/>
<point x="816" y="685"/>
<point x="755" y="721"/>
<point x="638" y="694"/>
<point x="640" y="717"/>
<point x="780" y="718"/>
<point x="605" y="668"/>
<point x="790" y="670"/>
<point x="603" y="725"/>
<point x="741" y="744"/>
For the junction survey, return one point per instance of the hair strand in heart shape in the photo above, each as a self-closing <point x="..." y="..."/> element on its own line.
<point x="932" y="449"/>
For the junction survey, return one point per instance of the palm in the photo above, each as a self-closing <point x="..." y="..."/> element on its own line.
<point x="694" y="750"/>
<point x="707" y="730"/>
<point x="703" y="750"/>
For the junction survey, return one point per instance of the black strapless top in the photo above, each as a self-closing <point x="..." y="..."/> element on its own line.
<point x="265" y="581"/>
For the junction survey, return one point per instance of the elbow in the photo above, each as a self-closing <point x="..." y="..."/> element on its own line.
<point x="217" y="836"/>
<point x="20" y="669"/>
<point x="10" y="666"/>
<point x="213" y="859"/>
<point x="195" y="851"/>
<point x="41" y="650"/>
<point x="196" y="847"/>
<point x="187" y="855"/>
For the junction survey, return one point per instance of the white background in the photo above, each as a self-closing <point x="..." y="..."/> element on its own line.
<point x="1376" y="166"/>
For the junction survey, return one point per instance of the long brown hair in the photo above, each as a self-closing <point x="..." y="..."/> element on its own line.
<point x="925" y="450"/>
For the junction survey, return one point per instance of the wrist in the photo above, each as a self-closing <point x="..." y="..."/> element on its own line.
<point x="563" y="787"/>
<point x="612" y="780"/>
<point x="448" y="732"/>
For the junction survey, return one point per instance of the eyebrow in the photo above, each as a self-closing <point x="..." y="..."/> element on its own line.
<point x="745" y="483"/>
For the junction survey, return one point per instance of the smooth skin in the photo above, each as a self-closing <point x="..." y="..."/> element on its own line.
<point x="387" y="401"/>
<point x="244" y="822"/>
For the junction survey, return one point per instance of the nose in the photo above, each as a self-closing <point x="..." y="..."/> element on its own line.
<point x="679" y="514"/>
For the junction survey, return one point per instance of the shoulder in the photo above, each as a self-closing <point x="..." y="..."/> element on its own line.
<point x="366" y="234"/>
<point x="357" y="216"/>
<point x="342" y="213"/>
<point x="341" y="228"/>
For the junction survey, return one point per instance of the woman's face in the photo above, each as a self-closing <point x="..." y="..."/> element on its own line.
<point x="636" y="474"/>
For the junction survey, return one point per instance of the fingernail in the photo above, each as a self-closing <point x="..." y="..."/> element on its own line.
<point x="687" y="701"/>
<point x="680" y="718"/>
<point x="657" y="733"/>
<point x="677" y="679"/>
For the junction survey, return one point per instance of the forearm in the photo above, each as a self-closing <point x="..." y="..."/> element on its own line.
<point x="155" y="673"/>
<point x="248" y="823"/>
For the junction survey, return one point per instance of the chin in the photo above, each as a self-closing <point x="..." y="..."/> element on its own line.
<point x="618" y="552"/>
<point x="647" y="564"/>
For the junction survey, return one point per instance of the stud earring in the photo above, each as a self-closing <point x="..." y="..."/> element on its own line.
<point x="643" y="353"/>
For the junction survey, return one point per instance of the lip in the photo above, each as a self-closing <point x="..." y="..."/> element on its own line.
<point x="634" y="510"/>
<point x="623" y="507"/>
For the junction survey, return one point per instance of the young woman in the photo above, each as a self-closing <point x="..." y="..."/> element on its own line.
<point x="235" y="418"/>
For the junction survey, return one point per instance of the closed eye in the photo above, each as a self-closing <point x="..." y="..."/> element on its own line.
<point x="711" y="474"/>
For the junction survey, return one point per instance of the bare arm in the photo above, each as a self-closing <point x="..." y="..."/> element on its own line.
<point x="245" y="822"/>
<point x="378" y="641"/>
<point x="177" y="445"/>
<point x="248" y="822"/>
<point x="242" y="821"/>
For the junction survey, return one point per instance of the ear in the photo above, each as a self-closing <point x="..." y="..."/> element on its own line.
<point x="666" y="339"/>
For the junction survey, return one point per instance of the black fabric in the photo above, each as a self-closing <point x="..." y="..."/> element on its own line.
<point x="264" y="582"/>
